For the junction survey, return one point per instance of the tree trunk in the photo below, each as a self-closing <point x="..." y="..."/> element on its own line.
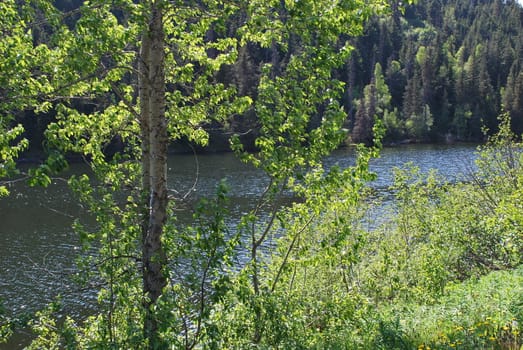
<point x="154" y="172"/>
<point x="145" y="128"/>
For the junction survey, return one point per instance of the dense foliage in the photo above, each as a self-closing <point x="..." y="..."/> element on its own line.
<point x="443" y="271"/>
<point x="450" y="67"/>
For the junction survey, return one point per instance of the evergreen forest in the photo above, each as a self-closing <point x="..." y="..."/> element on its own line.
<point x="441" y="71"/>
<point x="281" y="84"/>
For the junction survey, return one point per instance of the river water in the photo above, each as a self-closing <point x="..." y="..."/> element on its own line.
<point x="38" y="246"/>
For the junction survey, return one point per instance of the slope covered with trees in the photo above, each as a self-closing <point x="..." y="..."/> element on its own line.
<point x="450" y="68"/>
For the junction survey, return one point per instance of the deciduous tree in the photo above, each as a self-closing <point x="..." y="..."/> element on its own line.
<point x="142" y="74"/>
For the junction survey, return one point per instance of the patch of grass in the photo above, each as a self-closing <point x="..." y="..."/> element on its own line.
<point x="484" y="313"/>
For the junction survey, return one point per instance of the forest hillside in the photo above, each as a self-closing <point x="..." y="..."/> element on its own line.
<point x="435" y="71"/>
<point x="441" y="71"/>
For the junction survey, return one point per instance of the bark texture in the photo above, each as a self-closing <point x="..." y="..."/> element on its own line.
<point x="154" y="163"/>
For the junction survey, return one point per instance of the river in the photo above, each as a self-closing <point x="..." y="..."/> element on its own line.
<point x="38" y="247"/>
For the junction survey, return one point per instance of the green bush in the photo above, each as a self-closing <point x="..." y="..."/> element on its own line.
<point x="437" y="232"/>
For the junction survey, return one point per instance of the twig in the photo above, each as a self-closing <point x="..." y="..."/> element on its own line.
<point x="287" y="254"/>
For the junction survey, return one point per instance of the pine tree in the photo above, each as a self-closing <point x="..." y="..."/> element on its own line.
<point x="365" y="116"/>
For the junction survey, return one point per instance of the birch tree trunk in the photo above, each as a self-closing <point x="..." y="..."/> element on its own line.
<point x="154" y="167"/>
<point x="144" y="90"/>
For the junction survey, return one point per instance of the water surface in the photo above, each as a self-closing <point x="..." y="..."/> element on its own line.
<point x="38" y="247"/>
